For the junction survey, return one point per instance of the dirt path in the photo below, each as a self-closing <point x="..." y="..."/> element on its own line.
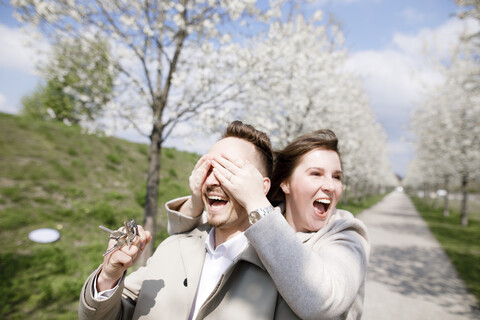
<point x="409" y="276"/>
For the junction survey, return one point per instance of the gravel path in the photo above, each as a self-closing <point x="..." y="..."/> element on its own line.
<point x="410" y="277"/>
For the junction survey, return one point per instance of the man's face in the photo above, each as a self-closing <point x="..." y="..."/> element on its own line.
<point x="223" y="211"/>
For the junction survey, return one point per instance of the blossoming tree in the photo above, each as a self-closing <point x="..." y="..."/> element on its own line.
<point x="446" y="125"/>
<point x="173" y="59"/>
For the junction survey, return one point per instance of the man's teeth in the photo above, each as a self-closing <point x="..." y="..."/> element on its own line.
<point x="325" y="201"/>
<point x="216" y="198"/>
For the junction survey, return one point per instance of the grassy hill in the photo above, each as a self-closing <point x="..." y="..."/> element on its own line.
<point x="53" y="176"/>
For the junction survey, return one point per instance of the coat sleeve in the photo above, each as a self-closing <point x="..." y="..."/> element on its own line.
<point x="113" y="308"/>
<point x="179" y="223"/>
<point x="319" y="278"/>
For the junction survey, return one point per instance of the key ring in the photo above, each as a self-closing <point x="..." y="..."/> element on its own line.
<point x="123" y="236"/>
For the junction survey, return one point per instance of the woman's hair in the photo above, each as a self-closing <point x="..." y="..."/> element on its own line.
<point x="259" y="139"/>
<point x="287" y="159"/>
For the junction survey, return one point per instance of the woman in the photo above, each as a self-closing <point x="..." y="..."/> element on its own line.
<point x="316" y="254"/>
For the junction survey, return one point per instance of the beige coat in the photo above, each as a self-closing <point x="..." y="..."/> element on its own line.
<point x="166" y="287"/>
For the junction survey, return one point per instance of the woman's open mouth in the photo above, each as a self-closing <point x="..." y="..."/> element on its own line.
<point x="321" y="207"/>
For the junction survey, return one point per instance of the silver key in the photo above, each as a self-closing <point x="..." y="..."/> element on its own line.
<point x="114" y="234"/>
<point x="120" y="243"/>
<point x="129" y="233"/>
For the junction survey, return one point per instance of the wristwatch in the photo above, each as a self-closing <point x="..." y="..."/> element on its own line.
<point x="258" y="214"/>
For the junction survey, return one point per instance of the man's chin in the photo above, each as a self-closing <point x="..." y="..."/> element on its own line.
<point x="217" y="223"/>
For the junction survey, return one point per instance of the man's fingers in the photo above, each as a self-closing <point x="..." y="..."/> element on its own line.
<point x="143" y="238"/>
<point x="238" y="162"/>
<point x="200" y="161"/>
<point x="224" y="173"/>
<point x="227" y="164"/>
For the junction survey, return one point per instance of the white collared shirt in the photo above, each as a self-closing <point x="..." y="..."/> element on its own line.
<point x="216" y="263"/>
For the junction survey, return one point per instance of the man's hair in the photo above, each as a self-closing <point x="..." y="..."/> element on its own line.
<point x="259" y="139"/>
<point x="287" y="159"/>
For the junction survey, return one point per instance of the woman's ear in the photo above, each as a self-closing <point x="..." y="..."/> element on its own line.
<point x="285" y="187"/>
<point x="267" y="183"/>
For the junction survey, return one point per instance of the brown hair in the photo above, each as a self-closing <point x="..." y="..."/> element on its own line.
<point x="287" y="159"/>
<point x="259" y="139"/>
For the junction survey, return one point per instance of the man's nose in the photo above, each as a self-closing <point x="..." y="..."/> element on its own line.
<point x="211" y="180"/>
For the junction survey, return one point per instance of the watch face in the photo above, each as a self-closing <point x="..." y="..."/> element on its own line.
<point x="253" y="217"/>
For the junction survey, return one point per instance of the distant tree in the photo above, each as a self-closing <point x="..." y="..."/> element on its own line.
<point x="78" y="82"/>
<point x="446" y="125"/>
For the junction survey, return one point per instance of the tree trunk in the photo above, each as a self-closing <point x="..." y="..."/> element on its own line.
<point x="436" y="198"/>
<point x="355" y="193"/>
<point x="345" y="196"/>
<point x="446" y="210"/>
<point x="463" y="210"/>
<point x="365" y="193"/>
<point x="153" y="181"/>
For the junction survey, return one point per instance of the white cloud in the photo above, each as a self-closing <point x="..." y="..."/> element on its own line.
<point x="439" y="40"/>
<point x="16" y="52"/>
<point x="5" y="106"/>
<point x="395" y="78"/>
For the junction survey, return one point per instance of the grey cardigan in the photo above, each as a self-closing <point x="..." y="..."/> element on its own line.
<point x="321" y="275"/>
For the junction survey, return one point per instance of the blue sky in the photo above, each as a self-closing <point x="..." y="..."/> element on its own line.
<point x="384" y="38"/>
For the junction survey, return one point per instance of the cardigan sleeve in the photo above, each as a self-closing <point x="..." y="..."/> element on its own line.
<point x="179" y="223"/>
<point x="321" y="277"/>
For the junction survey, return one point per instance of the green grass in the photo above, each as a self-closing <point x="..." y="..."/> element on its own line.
<point x="461" y="244"/>
<point x="53" y="176"/>
<point x="357" y="207"/>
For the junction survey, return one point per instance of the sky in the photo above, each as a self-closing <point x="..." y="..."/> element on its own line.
<point x="384" y="38"/>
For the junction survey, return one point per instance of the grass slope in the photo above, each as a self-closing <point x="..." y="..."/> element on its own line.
<point x="53" y="176"/>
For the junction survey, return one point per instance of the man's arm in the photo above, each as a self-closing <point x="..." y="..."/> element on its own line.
<point x="108" y="275"/>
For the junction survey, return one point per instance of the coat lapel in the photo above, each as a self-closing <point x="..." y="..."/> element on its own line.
<point x="192" y="251"/>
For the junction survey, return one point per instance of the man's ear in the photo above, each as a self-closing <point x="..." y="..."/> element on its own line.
<point x="285" y="187"/>
<point x="266" y="185"/>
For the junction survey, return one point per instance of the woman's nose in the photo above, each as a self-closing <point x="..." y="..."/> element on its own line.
<point x="327" y="184"/>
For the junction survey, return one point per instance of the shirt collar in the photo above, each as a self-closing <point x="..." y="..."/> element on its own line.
<point x="230" y="249"/>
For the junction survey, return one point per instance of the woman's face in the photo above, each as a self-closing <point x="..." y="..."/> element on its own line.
<point x="313" y="190"/>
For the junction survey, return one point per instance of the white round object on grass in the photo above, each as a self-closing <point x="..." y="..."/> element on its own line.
<point x="44" y="235"/>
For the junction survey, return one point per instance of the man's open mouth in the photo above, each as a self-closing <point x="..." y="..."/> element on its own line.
<point x="321" y="206"/>
<point x="217" y="201"/>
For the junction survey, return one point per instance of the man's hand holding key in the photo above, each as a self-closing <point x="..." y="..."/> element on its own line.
<point x="125" y="246"/>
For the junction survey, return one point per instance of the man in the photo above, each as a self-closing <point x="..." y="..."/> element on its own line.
<point x="203" y="274"/>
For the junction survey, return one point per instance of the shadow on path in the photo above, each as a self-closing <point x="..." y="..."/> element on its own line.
<point x="409" y="275"/>
<point x="413" y="270"/>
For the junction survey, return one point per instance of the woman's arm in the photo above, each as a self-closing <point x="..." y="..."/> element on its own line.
<point x="321" y="277"/>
